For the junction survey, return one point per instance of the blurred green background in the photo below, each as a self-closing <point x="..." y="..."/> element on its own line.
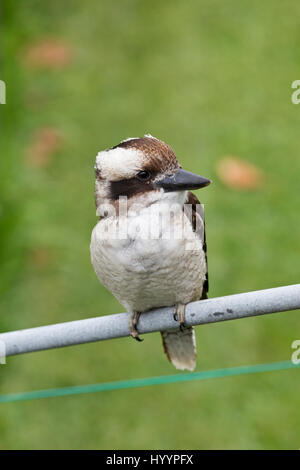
<point x="211" y="78"/>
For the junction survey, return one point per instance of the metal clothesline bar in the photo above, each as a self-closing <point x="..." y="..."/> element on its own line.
<point x="230" y="307"/>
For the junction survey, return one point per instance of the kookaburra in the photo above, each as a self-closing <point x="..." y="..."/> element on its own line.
<point x="149" y="247"/>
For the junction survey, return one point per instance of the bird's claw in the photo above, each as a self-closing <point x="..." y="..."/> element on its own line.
<point x="134" y="318"/>
<point x="179" y="315"/>
<point x="135" y="335"/>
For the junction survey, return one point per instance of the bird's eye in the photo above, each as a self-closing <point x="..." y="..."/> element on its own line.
<point x="143" y="175"/>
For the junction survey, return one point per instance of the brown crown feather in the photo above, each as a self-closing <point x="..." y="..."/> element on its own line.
<point x="160" y="155"/>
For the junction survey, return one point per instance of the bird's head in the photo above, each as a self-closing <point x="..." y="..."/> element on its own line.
<point x="144" y="170"/>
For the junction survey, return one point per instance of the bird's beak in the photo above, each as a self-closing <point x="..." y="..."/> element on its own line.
<point x="181" y="181"/>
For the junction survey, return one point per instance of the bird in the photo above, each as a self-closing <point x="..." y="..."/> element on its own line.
<point x="148" y="247"/>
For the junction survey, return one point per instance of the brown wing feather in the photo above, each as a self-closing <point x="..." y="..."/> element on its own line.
<point x="198" y="211"/>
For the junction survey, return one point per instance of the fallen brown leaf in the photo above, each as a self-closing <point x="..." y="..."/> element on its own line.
<point x="239" y="174"/>
<point x="45" y="143"/>
<point x="48" y="53"/>
<point x="40" y="257"/>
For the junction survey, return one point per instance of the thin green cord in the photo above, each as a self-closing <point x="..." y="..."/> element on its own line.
<point x="167" y="379"/>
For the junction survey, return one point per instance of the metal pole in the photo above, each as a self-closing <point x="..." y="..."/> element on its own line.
<point x="230" y="307"/>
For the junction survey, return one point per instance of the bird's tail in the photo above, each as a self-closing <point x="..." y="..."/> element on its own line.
<point x="180" y="347"/>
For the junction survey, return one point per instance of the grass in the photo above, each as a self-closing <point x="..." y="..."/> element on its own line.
<point x="211" y="78"/>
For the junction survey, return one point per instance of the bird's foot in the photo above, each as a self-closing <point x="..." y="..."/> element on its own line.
<point x="179" y="315"/>
<point x="133" y="321"/>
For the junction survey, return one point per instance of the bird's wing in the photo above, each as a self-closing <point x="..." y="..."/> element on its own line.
<point x="198" y="222"/>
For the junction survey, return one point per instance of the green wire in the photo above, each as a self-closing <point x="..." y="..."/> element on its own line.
<point x="167" y="379"/>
